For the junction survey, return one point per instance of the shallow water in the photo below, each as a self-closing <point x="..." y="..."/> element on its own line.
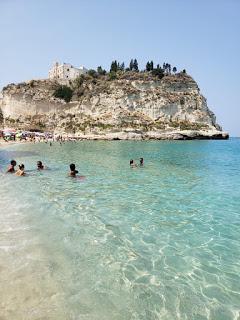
<point x="159" y="242"/>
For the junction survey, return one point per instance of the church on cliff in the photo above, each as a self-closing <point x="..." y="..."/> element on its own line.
<point x="65" y="71"/>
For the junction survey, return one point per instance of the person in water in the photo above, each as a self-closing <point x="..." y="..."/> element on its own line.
<point x="11" y="168"/>
<point x="73" y="170"/>
<point x="20" y="171"/>
<point x="132" y="164"/>
<point x="40" y="165"/>
<point x="141" y="162"/>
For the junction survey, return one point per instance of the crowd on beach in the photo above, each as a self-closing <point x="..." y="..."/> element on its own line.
<point x="12" y="135"/>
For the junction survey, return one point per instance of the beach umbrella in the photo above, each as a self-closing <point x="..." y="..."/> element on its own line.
<point x="9" y="129"/>
<point x="18" y="134"/>
<point x="7" y="134"/>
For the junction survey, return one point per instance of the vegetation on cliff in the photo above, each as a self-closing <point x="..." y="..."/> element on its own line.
<point x="117" y="72"/>
<point x="63" y="92"/>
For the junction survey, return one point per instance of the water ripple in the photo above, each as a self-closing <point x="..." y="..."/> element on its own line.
<point x="160" y="242"/>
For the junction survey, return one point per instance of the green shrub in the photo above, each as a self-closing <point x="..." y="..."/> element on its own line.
<point x="101" y="71"/>
<point x="41" y="125"/>
<point x="186" y="125"/>
<point x="158" y="72"/>
<point x="77" y="83"/>
<point x="103" y="126"/>
<point x="63" y="92"/>
<point x="112" y="75"/>
<point x="92" y="73"/>
<point x="182" y="101"/>
<point x="31" y="83"/>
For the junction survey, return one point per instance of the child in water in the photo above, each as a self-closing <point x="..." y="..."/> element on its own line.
<point x="141" y="162"/>
<point x="73" y="170"/>
<point x="11" y="168"/>
<point x="20" y="171"/>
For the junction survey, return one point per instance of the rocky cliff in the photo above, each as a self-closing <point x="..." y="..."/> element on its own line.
<point x="132" y="106"/>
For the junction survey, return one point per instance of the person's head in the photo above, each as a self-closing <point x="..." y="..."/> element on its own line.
<point x="13" y="163"/>
<point x="141" y="160"/>
<point x="72" y="167"/>
<point x="131" y="162"/>
<point x="39" y="165"/>
<point x="21" y="167"/>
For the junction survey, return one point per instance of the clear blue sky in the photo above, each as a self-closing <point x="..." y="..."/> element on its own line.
<point x="202" y="36"/>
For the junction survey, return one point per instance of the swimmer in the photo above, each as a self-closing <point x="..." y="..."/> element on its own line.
<point x="141" y="162"/>
<point x="20" y="171"/>
<point x="132" y="164"/>
<point x="40" y="166"/>
<point x="73" y="170"/>
<point x="11" y="168"/>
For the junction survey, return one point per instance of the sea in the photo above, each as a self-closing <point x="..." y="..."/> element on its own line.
<point x="160" y="241"/>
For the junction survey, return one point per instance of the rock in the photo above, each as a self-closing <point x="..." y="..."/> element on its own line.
<point x="134" y="107"/>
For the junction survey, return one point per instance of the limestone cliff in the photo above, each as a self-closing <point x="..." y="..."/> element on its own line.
<point x="132" y="106"/>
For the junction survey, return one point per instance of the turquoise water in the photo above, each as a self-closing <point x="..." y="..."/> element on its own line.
<point x="159" y="242"/>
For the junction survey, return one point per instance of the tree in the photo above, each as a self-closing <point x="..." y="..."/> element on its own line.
<point x="158" y="72"/>
<point x="148" y="66"/>
<point x="77" y="83"/>
<point x="63" y="92"/>
<point x="135" y="65"/>
<point x="101" y="71"/>
<point x="164" y="67"/>
<point x="112" y="75"/>
<point x="92" y="73"/>
<point x="114" y="66"/>
<point x="117" y="66"/>
<point x="131" y="65"/>
<point x="174" y="69"/>
<point x="167" y="68"/>
<point x="122" y="66"/>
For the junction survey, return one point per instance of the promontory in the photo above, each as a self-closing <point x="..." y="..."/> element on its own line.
<point x="118" y="105"/>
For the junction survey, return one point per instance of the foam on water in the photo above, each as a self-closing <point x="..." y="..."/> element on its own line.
<point x="159" y="242"/>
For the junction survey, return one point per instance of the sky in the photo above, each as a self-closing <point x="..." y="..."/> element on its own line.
<point x="201" y="36"/>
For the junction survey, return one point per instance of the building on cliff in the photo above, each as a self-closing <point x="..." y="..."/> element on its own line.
<point x="65" y="71"/>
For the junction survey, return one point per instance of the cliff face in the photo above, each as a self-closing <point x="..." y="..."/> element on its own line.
<point x="134" y="105"/>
